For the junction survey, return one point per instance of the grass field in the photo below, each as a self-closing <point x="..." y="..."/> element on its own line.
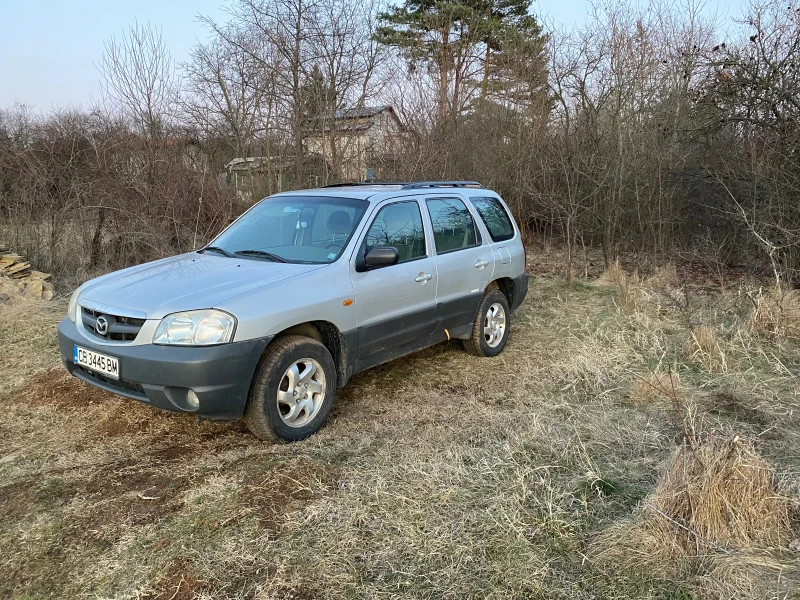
<point x="537" y="474"/>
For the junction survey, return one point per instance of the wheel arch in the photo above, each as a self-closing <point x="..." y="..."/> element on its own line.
<point x="329" y="336"/>
<point x="506" y="286"/>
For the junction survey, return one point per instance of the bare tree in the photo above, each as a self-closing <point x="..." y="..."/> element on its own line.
<point x="139" y="79"/>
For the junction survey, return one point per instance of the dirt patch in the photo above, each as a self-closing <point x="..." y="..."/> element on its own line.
<point x="122" y="422"/>
<point x="16" y="500"/>
<point x="181" y="582"/>
<point x="58" y="388"/>
<point x="121" y="492"/>
<point x="738" y="409"/>
<point x="145" y="481"/>
<point x="122" y="500"/>
<point x="283" y="488"/>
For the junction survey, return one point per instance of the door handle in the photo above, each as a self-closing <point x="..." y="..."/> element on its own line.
<point x="423" y="277"/>
<point x="480" y="263"/>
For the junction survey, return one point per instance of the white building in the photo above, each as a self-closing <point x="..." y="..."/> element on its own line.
<point x="352" y="140"/>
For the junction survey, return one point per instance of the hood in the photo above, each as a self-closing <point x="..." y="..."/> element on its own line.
<point x="185" y="282"/>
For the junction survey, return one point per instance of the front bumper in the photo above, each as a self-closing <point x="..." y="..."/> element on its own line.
<point x="163" y="375"/>
<point x="520" y="290"/>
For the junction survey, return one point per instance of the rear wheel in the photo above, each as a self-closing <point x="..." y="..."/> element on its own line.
<point x="491" y="327"/>
<point x="293" y="390"/>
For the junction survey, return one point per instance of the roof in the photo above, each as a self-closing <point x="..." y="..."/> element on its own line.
<point x="364" y="111"/>
<point x="249" y="163"/>
<point x="345" y="114"/>
<point x="361" y="192"/>
<point x="377" y="191"/>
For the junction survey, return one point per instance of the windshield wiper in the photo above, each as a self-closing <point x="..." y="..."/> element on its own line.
<point x="222" y="251"/>
<point x="261" y="254"/>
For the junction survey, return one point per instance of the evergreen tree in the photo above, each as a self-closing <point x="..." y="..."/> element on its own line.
<point x="440" y="33"/>
<point x="514" y="51"/>
<point x="499" y="39"/>
<point x="317" y="99"/>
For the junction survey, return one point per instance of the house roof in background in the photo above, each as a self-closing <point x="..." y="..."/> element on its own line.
<point x="341" y="120"/>
<point x="256" y="163"/>
<point x="364" y="111"/>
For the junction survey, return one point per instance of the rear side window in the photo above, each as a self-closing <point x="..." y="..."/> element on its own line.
<point x="453" y="227"/>
<point x="398" y="225"/>
<point x="495" y="218"/>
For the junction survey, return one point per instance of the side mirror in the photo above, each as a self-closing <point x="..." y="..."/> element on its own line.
<point x="381" y="256"/>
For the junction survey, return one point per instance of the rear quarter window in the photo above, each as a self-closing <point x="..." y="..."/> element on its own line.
<point x="494" y="216"/>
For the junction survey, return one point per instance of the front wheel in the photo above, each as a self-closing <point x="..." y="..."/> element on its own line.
<point x="491" y="327"/>
<point x="293" y="390"/>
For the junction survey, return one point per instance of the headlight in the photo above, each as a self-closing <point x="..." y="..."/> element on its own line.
<point x="195" y="328"/>
<point x="72" y="309"/>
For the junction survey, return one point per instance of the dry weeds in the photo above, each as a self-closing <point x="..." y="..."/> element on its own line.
<point x="715" y="510"/>
<point x="612" y="275"/>
<point x="654" y="387"/>
<point x="633" y="295"/>
<point x="665" y="276"/>
<point x="703" y="346"/>
<point x="775" y="312"/>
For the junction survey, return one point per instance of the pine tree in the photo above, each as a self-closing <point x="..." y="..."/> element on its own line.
<point x="317" y="99"/>
<point x="455" y="37"/>
<point x="440" y="33"/>
<point x="514" y="51"/>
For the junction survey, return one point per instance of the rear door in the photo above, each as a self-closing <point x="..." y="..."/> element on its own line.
<point x="500" y="228"/>
<point x="395" y="305"/>
<point x="464" y="263"/>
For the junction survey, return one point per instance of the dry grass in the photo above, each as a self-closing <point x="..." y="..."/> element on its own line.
<point x="440" y="475"/>
<point x="28" y="342"/>
<point x="725" y="493"/>
<point x="716" y="517"/>
<point x="703" y="346"/>
<point x="633" y="296"/>
<point x="654" y="387"/>
<point x="612" y="275"/>
<point x="775" y="312"/>
<point x="665" y="276"/>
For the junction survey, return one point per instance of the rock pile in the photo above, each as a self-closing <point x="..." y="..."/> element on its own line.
<point x="18" y="278"/>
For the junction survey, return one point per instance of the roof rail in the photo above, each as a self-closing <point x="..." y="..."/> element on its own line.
<point x="358" y="183"/>
<point x="435" y="184"/>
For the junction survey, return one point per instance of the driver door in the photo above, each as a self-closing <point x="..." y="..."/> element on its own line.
<point x="395" y="305"/>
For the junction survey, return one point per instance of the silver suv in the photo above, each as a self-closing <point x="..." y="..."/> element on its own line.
<point x="301" y="292"/>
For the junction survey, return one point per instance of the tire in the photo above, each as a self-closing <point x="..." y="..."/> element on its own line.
<point x="480" y="343"/>
<point x="293" y="389"/>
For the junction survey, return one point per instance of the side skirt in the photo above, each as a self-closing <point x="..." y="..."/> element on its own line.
<point x="392" y="353"/>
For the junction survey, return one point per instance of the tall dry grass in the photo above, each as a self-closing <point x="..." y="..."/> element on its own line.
<point x="703" y="346"/>
<point x="775" y="311"/>
<point x="665" y="276"/>
<point x="632" y="295"/>
<point x="715" y="506"/>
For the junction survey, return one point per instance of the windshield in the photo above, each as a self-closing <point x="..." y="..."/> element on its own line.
<point x="297" y="229"/>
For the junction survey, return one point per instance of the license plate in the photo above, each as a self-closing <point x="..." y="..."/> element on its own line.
<point x="94" y="361"/>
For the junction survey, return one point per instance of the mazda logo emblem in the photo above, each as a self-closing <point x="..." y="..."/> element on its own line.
<point x="101" y="326"/>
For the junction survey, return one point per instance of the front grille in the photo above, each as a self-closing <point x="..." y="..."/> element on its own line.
<point x="120" y="384"/>
<point x="119" y="329"/>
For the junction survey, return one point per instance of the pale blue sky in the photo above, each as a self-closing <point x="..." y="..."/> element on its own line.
<point x="48" y="48"/>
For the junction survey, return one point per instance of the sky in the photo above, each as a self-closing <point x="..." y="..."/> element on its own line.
<point x="49" y="48"/>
